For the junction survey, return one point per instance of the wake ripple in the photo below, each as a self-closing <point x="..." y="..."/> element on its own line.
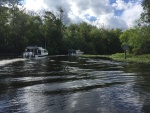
<point x="9" y="61"/>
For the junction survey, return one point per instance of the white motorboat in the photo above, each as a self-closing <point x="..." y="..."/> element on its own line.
<point x="35" y="52"/>
<point x="73" y="52"/>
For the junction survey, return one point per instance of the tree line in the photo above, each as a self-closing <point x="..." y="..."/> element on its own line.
<point x="138" y="38"/>
<point x="19" y="28"/>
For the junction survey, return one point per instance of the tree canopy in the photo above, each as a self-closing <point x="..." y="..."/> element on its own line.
<point x="20" y="29"/>
<point x="146" y="13"/>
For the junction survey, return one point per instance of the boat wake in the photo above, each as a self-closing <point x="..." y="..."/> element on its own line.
<point x="8" y="61"/>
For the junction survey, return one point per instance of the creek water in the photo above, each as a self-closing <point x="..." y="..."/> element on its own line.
<point x="64" y="84"/>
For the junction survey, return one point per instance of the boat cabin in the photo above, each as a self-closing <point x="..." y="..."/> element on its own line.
<point x="34" y="52"/>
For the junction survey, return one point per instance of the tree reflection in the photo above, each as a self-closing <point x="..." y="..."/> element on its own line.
<point x="142" y="84"/>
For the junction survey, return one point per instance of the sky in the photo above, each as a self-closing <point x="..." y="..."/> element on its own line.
<point x="101" y="13"/>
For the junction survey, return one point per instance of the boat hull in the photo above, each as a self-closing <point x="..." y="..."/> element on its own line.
<point x="76" y="54"/>
<point x="40" y="56"/>
<point x="73" y="52"/>
<point x="34" y="52"/>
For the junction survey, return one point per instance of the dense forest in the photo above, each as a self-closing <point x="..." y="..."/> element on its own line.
<point x="20" y="28"/>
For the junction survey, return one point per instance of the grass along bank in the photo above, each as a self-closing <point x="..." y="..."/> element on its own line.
<point x="120" y="57"/>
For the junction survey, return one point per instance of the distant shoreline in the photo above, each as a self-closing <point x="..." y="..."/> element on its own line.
<point x="120" y="57"/>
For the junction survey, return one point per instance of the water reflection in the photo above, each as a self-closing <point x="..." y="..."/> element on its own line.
<point x="74" y="85"/>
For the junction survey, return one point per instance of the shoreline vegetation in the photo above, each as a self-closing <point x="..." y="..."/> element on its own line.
<point x="145" y="58"/>
<point x="20" y="28"/>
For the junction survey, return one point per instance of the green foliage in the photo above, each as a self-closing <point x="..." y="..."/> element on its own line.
<point x="131" y="58"/>
<point x="20" y="29"/>
<point x="120" y="57"/>
<point x="138" y="39"/>
<point x="146" y="14"/>
<point x="92" y="40"/>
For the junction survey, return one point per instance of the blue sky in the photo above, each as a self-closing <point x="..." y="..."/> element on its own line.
<point x="113" y="1"/>
<point x="108" y="13"/>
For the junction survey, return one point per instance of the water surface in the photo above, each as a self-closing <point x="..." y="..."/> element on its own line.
<point x="62" y="84"/>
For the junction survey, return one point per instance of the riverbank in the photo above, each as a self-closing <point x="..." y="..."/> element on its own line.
<point x="120" y="57"/>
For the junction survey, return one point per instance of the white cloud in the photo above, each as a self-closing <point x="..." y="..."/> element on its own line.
<point x="83" y="10"/>
<point x="55" y="4"/>
<point x="120" y="5"/>
<point x="131" y="14"/>
<point x="35" y="4"/>
<point x="111" y="22"/>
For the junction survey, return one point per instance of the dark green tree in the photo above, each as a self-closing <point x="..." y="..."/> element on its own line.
<point x="52" y="32"/>
<point x="4" y="28"/>
<point x="146" y="14"/>
<point x="138" y="39"/>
